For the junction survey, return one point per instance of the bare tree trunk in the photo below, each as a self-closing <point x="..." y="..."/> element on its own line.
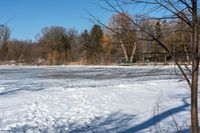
<point x="186" y="54"/>
<point x="133" y="52"/>
<point x="194" y="98"/>
<point x="195" y="71"/>
<point x="124" y="51"/>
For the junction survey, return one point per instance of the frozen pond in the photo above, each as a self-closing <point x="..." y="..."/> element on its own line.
<point x="92" y="99"/>
<point x="15" y="79"/>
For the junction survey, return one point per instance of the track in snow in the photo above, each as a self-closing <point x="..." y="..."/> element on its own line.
<point x="91" y="99"/>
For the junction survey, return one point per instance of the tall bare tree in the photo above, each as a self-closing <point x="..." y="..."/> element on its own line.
<point x="171" y="10"/>
<point x="4" y="37"/>
<point x="123" y="32"/>
<point x="57" y="43"/>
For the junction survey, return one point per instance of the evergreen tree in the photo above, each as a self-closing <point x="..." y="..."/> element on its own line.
<point x="85" y="39"/>
<point x="96" y="38"/>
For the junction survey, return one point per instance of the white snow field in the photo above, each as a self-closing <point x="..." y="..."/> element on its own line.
<point x="93" y="99"/>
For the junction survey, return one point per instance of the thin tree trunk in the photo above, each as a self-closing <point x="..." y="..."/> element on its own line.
<point x="195" y="71"/>
<point x="194" y="98"/>
<point x="124" y="51"/>
<point x="186" y="54"/>
<point x="133" y="52"/>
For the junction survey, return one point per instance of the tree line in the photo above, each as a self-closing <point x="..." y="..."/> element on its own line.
<point x="120" y="41"/>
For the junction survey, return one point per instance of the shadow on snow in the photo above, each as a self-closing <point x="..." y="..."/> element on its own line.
<point x="115" y="122"/>
<point x="158" y="118"/>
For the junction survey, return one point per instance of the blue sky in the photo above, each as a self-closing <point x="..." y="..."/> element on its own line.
<point x="28" y="17"/>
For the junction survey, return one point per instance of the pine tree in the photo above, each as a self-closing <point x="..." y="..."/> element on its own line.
<point x="96" y="38"/>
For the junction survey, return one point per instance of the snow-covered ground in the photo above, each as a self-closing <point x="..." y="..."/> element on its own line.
<point x="92" y="99"/>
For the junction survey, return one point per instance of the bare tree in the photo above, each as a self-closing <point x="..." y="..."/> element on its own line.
<point x="56" y="40"/>
<point x="185" y="10"/>
<point x="4" y="36"/>
<point x="124" y="34"/>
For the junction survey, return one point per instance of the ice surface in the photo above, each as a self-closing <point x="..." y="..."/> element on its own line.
<point x="92" y="99"/>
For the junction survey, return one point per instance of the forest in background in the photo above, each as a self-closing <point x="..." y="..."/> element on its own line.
<point x="119" y="41"/>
